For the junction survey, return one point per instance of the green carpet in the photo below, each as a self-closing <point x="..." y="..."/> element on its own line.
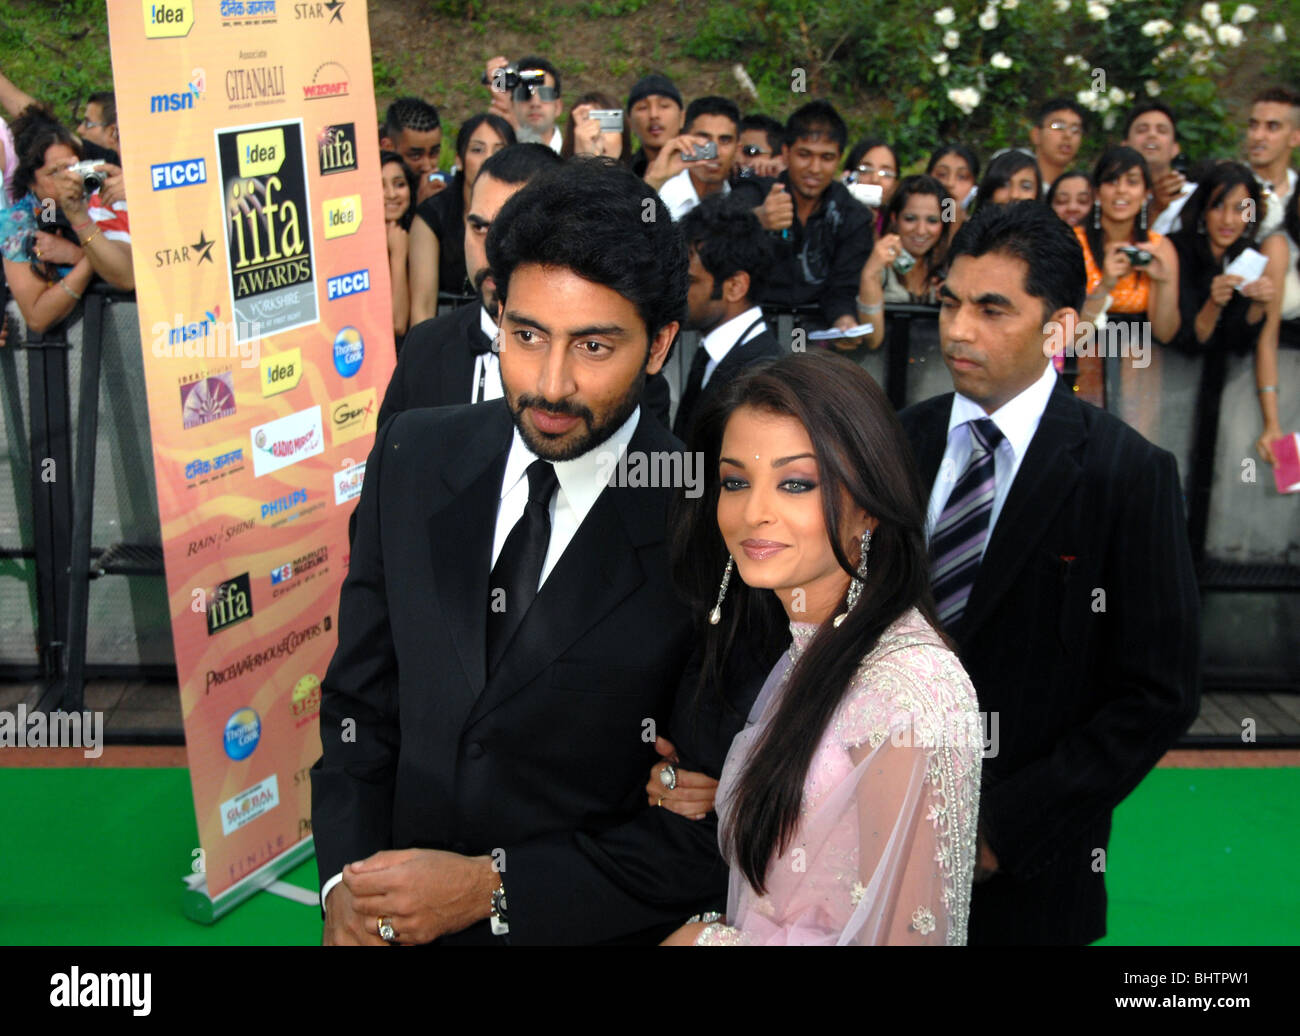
<point x="95" y="857"/>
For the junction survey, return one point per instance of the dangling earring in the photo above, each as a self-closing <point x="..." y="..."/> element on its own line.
<point x="1142" y="221"/>
<point x="1096" y="214"/>
<point x="715" y="616"/>
<point x="1200" y="225"/>
<point x="855" y="585"/>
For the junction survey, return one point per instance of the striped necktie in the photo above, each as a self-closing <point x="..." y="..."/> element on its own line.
<point x="957" y="543"/>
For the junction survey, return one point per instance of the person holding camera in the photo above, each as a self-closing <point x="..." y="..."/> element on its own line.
<point x="527" y="95"/>
<point x="413" y="129"/>
<point x="698" y="163"/>
<point x="59" y="233"/>
<point x="1151" y="131"/>
<point x="585" y="134"/>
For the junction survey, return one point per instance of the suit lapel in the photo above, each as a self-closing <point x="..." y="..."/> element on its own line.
<point x="931" y="441"/>
<point x="1047" y="476"/>
<point x="458" y="359"/>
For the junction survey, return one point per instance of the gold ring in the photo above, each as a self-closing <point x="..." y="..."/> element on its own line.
<point x="661" y="800"/>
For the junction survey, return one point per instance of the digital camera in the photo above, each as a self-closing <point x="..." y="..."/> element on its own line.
<point x="702" y="152"/>
<point x="91" y="173"/>
<point x="610" y="119"/>
<point x="1137" y="256"/>
<point x="870" y="194"/>
<point x="510" y="78"/>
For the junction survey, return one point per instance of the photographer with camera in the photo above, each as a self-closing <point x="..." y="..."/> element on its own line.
<point x="760" y="146"/>
<point x="597" y="126"/>
<point x="59" y="233"/>
<point x="699" y="162"/>
<point x="527" y="95"/>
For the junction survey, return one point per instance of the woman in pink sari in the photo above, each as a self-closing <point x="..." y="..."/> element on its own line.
<point x="847" y="805"/>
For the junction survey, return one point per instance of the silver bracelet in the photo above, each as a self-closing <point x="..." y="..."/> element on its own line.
<point x="869" y="309"/>
<point x="1267" y="388"/>
<point x="65" y="287"/>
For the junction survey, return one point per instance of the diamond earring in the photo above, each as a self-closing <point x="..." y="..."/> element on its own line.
<point x="1096" y="214"/>
<point x="715" y="616"/>
<point x="855" y="585"/>
<point x="1142" y="221"/>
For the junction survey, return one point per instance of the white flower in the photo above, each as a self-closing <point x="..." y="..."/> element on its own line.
<point x="1071" y="60"/>
<point x="1086" y="98"/>
<point x="1011" y="5"/>
<point x="1243" y="14"/>
<point x="1108" y="122"/>
<point x="1117" y="95"/>
<point x="1196" y="33"/>
<point x="1061" y="6"/>
<point x="988" y="18"/>
<point x="939" y="58"/>
<point x="1229" y="35"/>
<point x="944" y="69"/>
<point x="1167" y="53"/>
<point x="1157" y="28"/>
<point x="1153" y="88"/>
<point x="1103" y="103"/>
<point x="1200" y="60"/>
<point x="1210" y="14"/>
<point x="1098" y="12"/>
<point x="952" y="39"/>
<point x="967" y="98"/>
<point x="944" y="16"/>
<point x="1279" y="33"/>
<point x="1000" y="60"/>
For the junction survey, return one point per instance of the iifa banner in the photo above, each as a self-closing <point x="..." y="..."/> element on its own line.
<point x="252" y="175"/>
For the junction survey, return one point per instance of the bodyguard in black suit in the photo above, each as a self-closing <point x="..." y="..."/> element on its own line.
<point x="509" y="639"/>
<point x="731" y="257"/>
<point x="1079" y="626"/>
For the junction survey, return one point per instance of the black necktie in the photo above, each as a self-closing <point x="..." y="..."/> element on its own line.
<point x="515" y="576"/>
<point x="691" y="394"/>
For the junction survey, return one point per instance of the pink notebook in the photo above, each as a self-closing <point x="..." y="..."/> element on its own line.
<point x="1286" y="472"/>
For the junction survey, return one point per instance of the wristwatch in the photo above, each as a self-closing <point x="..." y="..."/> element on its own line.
<point x="500" y="926"/>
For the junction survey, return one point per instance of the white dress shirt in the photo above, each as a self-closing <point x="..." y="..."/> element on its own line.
<point x="581" y="481"/>
<point x="1017" y="420"/>
<point x="1275" y="203"/>
<point x="725" y="337"/>
<point x="679" y="195"/>
<point x="487" y="366"/>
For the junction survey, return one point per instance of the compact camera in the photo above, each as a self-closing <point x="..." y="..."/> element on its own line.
<point x="610" y="119"/>
<point x="904" y="262"/>
<point x="702" y="152"/>
<point x="1137" y="256"/>
<point x="91" y="173"/>
<point x="870" y="194"/>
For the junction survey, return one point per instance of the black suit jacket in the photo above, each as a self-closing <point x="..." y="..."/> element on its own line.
<point x="763" y="346"/>
<point x="1082" y="637"/>
<point x="549" y="758"/>
<point x="436" y="367"/>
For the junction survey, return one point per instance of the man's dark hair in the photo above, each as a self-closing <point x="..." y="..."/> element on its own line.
<point x="600" y="220"/>
<point x="410" y="113"/>
<point x="1142" y="108"/>
<point x="815" y="119"/>
<point x="534" y="62"/>
<point x="502" y="129"/>
<point x="712" y="106"/>
<point x="1278" y="95"/>
<point x="728" y="238"/>
<point x="1033" y="233"/>
<point x="107" y="106"/>
<point x="1060" y="104"/>
<point x="773" y="129"/>
<point x="519" y="163"/>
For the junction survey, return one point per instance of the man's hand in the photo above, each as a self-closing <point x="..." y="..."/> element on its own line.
<point x="843" y="324"/>
<point x="669" y="162"/>
<point x="344" y="924"/>
<point x="425" y="893"/>
<point x="693" y="796"/>
<point x="1167" y="188"/>
<point x="114" y="189"/>
<point x="586" y="131"/>
<point x="986" y="864"/>
<point x="500" y="98"/>
<point x="768" y="165"/>
<point x="427" y="188"/>
<point x="777" y="210"/>
<point x="54" y="248"/>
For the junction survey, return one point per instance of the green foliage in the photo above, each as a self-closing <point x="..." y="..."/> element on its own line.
<point x="57" y="52"/>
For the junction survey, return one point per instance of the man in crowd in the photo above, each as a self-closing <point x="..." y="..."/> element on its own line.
<point x="654" y="113"/>
<point x="1056" y="136"/>
<point x="412" y="129"/>
<point x="531" y="108"/>
<point x="1272" y="133"/>
<point x="1151" y="131"/>
<point x="760" y="145"/>
<point x="98" y="127"/>
<point x="681" y="180"/>
<point x="731" y="256"/>
<point x="508" y="623"/>
<point x="1062" y="569"/>
<point x="821" y="234"/>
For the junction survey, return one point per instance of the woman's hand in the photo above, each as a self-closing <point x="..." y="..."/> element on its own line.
<point x="685" y="935"/>
<point x="54" y="248"/>
<point x="1222" y="287"/>
<point x="1264" y="444"/>
<point x="1261" y="291"/>
<point x="586" y="132"/>
<point x="887" y="249"/>
<point x="692" y="797"/>
<point x="114" y="189"/>
<point x="1116" y="266"/>
<point x="70" y="194"/>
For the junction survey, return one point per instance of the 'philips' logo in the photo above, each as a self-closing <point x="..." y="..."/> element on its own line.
<point x="347" y="284"/>
<point x="285" y="503"/>
<point x="184" y="173"/>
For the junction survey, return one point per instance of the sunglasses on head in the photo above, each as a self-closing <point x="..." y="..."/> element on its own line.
<point x="544" y="93"/>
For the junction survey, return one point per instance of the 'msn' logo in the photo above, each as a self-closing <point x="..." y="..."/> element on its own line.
<point x="189" y="332"/>
<point x="168" y="20"/>
<point x="337" y="146"/>
<point x="184" y="100"/>
<point x="281" y="372"/>
<point x="329" y="80"/>
<point x="347" y="284"/>
<point x="231" y="603"/>
<point x="183" y="173"/>
<point x="342" y="215"/>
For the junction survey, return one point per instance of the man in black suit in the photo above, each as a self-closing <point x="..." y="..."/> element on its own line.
<point x="1062" y="569"/>
<point x="450" y="360"/>
<point x="509" y="638"/>
<point x="730" y="261"/>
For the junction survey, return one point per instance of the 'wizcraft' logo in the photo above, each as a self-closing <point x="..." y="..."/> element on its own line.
<point x="231" y="603"/>
<point x="124" y="989"/>
<point x="329" y="80"/>
<point x="337" y="146"/>
<point x="185" y="99"/>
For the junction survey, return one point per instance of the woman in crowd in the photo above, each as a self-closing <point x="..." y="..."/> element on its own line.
<point x="1070" y="197"/>
<point x="956" y="167"/>
<point x="1140" y="285"/>
<point x="872" y="161"/>
<point x="1011" y="176"/>
<point x="399" y="190"/>
<point x="583" y="136"/>
<point x="847" y="806"/>
<point x="1277" y="372"/>
<point x="906" y="263"/>
<point x="438" y="231"/>
<point x="48" y="270"/>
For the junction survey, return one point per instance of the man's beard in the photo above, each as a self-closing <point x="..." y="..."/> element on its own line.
<point x="490" y="301"/>
<point x="545" y="446"/>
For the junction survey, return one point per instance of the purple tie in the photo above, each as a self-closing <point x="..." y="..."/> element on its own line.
<point x="957" y="543"/>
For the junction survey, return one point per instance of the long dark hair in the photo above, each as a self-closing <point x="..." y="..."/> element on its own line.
<point x="1213" y="182"/>
<point x="920" y="183"/>
<point x="863" y="456"/>
<point x="35" y="131"/>
<point x="394" y="158"/>
<point x="1000" y="172"/>
<point x="962" y="152"/>
<point x="1113" y="164"/>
